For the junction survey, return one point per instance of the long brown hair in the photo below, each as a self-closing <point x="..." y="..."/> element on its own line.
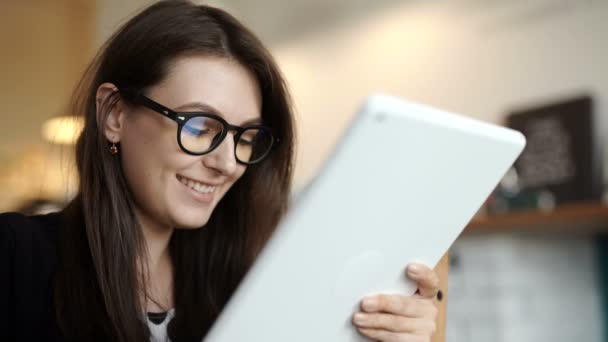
<point x="97" y="282"/>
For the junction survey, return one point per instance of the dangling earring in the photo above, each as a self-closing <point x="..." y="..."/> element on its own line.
<point x="113" y="148"/>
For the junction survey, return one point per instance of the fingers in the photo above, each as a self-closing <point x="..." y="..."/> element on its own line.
<point x="398" y="318"/>
<point x="426" y="278"/>
<point x="393" y="323"/>
<point x="389" y="336"/>
<point x="399" y="305"/>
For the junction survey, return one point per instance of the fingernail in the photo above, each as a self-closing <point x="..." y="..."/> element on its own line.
<point x="414" y="269"/>
<point x="360" y="318"/>
<point x="369" y="304"/>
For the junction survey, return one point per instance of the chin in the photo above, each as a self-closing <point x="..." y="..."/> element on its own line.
<point x="186" y="227"/>
<point x="191" y="223"/>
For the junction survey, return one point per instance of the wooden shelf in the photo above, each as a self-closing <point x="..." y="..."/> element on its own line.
<point x="571" y="218"/>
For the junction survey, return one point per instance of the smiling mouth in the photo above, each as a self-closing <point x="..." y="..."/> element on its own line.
<point x="196" y="186"/>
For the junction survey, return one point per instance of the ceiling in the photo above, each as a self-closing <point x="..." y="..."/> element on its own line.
<point x="277" y="21"/>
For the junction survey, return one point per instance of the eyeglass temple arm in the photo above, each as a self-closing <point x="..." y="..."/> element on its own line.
<point x="157" y="107"/>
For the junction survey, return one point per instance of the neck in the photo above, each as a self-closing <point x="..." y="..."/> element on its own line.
<point x="158" y="289"/>
<point x="157" y="239"/>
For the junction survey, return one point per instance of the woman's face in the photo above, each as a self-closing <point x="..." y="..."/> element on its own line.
<point x="172" y="188"/>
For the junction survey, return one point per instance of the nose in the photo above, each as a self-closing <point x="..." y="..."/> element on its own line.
<point x="222" y="158"/>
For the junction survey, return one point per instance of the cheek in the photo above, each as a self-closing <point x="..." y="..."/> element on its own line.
<point x="238" y="174"/>
<point x="142" y="155"/>
<point x="143" y="167"/>
<point x="148" y="162"/>
<point x="148" y="142"/>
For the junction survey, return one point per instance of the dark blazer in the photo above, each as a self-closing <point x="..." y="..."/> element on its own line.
<point x="28" y="259"/>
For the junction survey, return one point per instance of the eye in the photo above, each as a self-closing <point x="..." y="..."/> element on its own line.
<point x="248" y="137"/>
<point x="196" y="131"/>
<point x="245" y="142"/>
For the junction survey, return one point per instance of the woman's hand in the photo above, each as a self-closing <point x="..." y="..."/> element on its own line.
<point x="398" y="318"/>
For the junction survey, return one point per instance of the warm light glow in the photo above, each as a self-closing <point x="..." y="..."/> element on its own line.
<point x="63" y="129"/>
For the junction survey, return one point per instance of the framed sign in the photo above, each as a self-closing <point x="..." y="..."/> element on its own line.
<point x="561" y="157"/>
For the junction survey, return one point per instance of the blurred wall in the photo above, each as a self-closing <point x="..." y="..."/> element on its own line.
<point x="46" y="45"/>
<point x="479" y="58"/>
<point x="110" y="14"/>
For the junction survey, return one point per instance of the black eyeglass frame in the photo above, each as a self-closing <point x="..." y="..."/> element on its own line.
<point x="182" y="117"/>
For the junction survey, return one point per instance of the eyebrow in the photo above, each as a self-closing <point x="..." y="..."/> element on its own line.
<point x="204" y="107"/>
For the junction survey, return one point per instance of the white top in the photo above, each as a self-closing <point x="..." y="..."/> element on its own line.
<point x="158" y="332"/>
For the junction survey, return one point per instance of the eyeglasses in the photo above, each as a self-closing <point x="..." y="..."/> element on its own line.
<point x="200" y="133"/>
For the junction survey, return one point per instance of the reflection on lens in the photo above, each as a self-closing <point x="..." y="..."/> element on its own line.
<point x="253" y="145"/>
<point x="199" y="133"/>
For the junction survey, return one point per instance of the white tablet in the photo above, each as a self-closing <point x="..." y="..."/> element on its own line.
<point x="400" y="187"/>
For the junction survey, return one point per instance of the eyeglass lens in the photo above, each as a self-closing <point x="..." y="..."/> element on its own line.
<point x="201" y="134"/>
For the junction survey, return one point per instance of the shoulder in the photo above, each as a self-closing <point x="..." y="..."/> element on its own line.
<point x="21" y="220"/>
<point x="28" y="254"/>
<point x="16" y="225"/>
<point x="17" y="229"/>
<point x="28" y="259"/>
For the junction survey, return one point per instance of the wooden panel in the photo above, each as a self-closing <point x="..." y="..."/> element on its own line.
<point x="46" y="45"/>
<point x="442" y="269"/>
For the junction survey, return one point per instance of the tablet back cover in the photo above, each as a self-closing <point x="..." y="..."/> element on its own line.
<point x="400" y="187"/>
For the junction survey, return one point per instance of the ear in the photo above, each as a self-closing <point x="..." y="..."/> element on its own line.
<point x="110" y="115"/>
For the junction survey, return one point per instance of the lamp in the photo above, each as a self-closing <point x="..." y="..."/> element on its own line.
<point x="62" y="130"/>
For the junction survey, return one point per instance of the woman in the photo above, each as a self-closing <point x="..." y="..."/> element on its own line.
<point x="185" y="165"/>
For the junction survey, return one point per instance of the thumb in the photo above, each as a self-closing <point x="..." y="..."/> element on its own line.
<point x="426" y="279"/>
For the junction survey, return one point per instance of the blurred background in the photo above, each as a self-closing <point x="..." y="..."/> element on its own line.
<point x="531" y="267"/>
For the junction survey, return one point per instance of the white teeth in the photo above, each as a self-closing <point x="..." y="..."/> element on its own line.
<point x="199" y="187"/>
